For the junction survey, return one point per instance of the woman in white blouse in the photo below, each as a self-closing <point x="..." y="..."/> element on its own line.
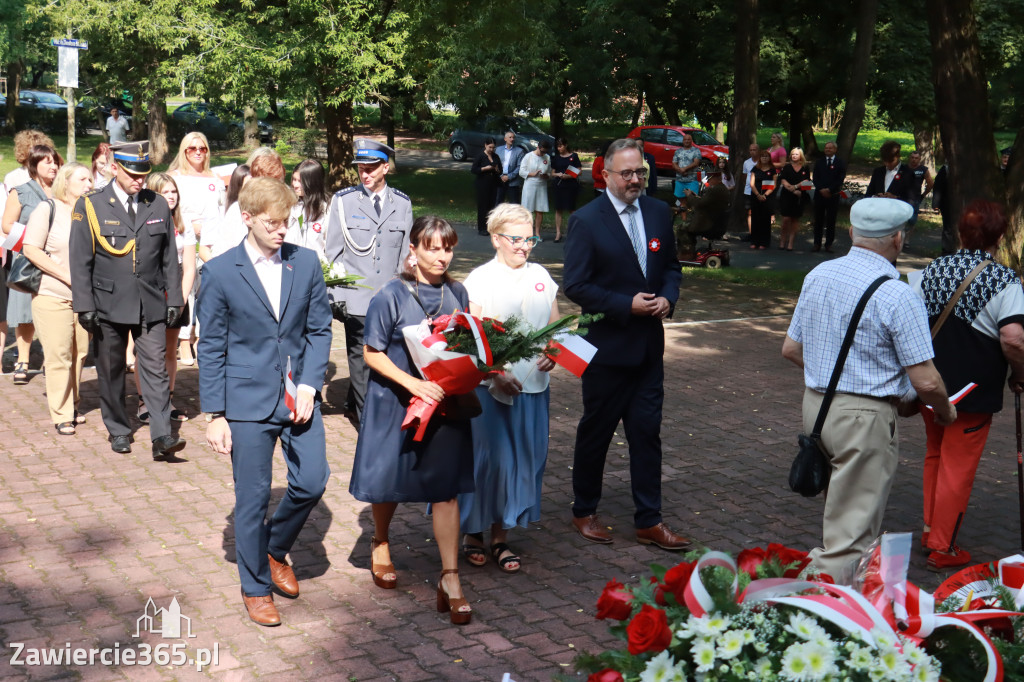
<point x="536" y="169"/>
<point x="510" y="437"/>
<point x="308" y="224"/>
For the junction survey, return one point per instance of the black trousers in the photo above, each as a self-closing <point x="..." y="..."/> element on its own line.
<point x="634" y="396"/>
<point x="825" y="218"/>
<point x="154" y="385"/>
<point x="485" y="195"/>
<point x="507" y="193"/>
<point x="358" y="372"/>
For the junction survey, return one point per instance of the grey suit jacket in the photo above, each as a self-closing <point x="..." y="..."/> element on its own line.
<point x="375" y="247"/>
<point x="513" y="167"/>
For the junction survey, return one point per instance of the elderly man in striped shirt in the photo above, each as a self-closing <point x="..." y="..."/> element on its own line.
<point x="891" y="352"/>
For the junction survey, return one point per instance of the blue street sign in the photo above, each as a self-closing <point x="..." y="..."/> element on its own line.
<point x="70" y="42"/>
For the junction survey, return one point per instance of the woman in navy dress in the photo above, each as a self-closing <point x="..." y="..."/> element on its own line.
<point x="389" y="466"/>
<point x="565" y="186"/>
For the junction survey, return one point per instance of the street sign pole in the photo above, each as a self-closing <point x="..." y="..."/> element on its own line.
<point x="67" y="78"/>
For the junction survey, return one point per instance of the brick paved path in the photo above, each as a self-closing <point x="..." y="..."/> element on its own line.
<point x="87" y="536"/>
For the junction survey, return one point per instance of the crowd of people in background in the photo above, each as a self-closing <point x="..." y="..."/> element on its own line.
<point x="226" y="271"/>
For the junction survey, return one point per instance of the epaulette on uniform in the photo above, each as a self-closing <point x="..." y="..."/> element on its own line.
<point x="347" y="190"/>
<point x="92" y="191"/>
<point x="401" y="194"/>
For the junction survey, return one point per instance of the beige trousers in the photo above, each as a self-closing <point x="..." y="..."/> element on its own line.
<point x="65" y="345"/>
<point x="861" y="439"/>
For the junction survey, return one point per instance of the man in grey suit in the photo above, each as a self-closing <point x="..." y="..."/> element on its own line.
<point x="125" y="280"/>
<point x="368" y="233"/>
<point x="510" y="187"/>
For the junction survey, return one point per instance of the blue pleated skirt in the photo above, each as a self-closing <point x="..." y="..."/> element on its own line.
<point x="510" y="451"/>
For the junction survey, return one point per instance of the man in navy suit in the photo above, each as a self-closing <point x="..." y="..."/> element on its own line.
<point x="829" y="176"/>
<point x="264" y="309"/>
<point x="620" y="260"/>
<point x="510" y="185"/>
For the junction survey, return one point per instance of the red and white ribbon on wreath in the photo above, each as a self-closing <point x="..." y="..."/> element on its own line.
<point x="474" y="325"/>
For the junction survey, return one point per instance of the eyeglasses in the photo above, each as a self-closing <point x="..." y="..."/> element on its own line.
<point x="528" y="242"/>
<point x="193" y="150"/>
<point x="640" y="173"/>
<point x="272" y="224"/>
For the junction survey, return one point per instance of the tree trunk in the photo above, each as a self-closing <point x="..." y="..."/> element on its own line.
<point x="961" y="97"/>
<point x="796" y="119"/>
<point x="159" y="148"/>
<point x="720" y="132"/>
<point x="138" y="119"/>
<point x="556" y="112"/>
<point x="657" y="118"/>
<point x="387" y="120"/>
<point x="1010" y="249"/>
<point x="811" y="150"/>
<point x="272" y="97"/>
<point x="856" y="86"/>
<point x="309" y="111"/>
<point x="251" y="128"/>
<point x="340" y="135"/>
<point x="923" y="144"/>
<point x="638" y="110"/>
<point x="743" y="128"/>
<point x="423" y="112"/>
<point x="15" y="71"/>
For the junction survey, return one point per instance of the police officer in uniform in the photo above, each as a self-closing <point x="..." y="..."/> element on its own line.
<point x="367" y="232"/>
<point x="125" y="280"/>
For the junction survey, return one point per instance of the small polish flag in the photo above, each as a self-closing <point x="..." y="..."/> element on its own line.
<point x="572" y="172"/>
<point x="806" y="185"/>
<point x="959" y="395"/>
<point x="767" y="184"/>
<point x="15" y="238"/>
<point x="574" y="352"/>
<point x="290" y="391"/>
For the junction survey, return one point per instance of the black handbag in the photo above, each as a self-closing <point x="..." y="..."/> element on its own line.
<point x="24" y="275"/>
<point x="811" y="469"/>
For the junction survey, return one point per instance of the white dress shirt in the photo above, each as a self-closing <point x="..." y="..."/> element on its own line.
<point x="269" y="272"/>
<point x="889" y="175"/>
<point x="638" y="215"/>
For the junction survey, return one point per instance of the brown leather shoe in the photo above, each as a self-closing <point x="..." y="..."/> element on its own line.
<point x="262" y="610"/>
<point x="590" y="528"/>
<point x="283" y="577"/>
<point x="661" y="536"/>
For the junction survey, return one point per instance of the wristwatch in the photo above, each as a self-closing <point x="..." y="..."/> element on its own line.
<point x="215" y="415"/>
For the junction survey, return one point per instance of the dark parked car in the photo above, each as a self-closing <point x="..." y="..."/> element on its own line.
<point x="47" y="111"/>
<point x="215" y="122"/>
<point x="465" y="144"/>
<point x="663" y="141"/>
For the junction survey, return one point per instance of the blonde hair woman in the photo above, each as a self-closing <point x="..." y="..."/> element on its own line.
<point x="164" y="185"/>
<point x="201" y="190"/>
<point x="792" y="198"/>
<point x="65" y="343"/>
<point x="510" y="437"/>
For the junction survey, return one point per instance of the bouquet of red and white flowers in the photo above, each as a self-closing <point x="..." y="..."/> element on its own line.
<point x="459" y="351"/>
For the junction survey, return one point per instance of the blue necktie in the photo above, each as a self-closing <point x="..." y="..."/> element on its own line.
<point x="634" y="236"/>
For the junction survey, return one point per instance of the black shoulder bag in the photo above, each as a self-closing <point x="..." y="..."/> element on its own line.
<point x="811" y="469"/>
<point x="25" y="276"/>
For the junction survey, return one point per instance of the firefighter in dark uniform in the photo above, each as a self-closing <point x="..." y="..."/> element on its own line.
<point x="368" y="233"/>
<point x="125" y="280"/>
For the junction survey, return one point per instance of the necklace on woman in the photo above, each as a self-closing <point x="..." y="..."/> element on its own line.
<point x="439" y="305"/>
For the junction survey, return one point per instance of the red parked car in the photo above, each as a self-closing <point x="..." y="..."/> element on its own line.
<point x="663" y="141"/>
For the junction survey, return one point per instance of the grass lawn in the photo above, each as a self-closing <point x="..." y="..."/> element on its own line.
<point x="446" y="193"/>
<point x="776" y="280"/>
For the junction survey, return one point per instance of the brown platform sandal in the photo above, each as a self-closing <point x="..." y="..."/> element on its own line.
<point x="378" y="571"/>
<point x="453" y="605"/>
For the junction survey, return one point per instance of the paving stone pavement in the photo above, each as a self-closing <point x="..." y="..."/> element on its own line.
<point x="88" y="536"/>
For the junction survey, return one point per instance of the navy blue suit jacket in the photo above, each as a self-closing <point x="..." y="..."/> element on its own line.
<point x="243" y="351"/>
<point x="602" y="274"/>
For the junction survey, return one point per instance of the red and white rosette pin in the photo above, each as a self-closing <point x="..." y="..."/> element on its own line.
<point x="213" y="187"/>
<point x="654" y="244"/>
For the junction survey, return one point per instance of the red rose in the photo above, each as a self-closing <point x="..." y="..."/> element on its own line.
<point x="606" y="675"/>
<point x="750" y="559"/>
<point x="787" y="556"/>
<point x="648" y="631"/>
<point x="441" y="323"/>
<point x="675" y="583"/>
<point x="615" y="602"/>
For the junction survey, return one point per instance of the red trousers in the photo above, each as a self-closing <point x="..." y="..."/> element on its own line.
<point x="950" y="462"/>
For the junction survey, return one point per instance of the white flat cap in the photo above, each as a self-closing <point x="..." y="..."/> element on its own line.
<point x="879" y="216"/>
